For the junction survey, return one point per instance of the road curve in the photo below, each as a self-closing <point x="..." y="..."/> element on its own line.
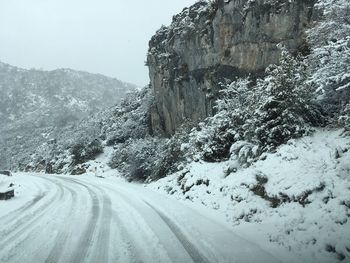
<point x="88" y="219"/>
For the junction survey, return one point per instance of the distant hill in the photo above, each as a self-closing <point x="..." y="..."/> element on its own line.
<point x="35" y="101"/>
<point x="40" y="98"/>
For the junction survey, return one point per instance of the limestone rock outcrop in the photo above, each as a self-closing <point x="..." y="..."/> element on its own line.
<point x="211" y="42"/>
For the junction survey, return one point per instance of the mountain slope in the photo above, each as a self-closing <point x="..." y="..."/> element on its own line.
<point x="35" y="102"/>
<point x="43" y="98"/>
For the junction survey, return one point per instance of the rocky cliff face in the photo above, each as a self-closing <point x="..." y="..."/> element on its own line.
<point x="215" y="41"/>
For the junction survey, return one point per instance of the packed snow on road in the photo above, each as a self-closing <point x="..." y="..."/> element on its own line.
<point x="91" y="219"/>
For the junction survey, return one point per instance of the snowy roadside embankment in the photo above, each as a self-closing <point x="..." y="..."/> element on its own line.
<point x="296" y="199"/>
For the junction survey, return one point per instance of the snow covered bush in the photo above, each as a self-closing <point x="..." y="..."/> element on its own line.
<point x="168" y="160"/>
<point x="286" y="105"/>
<point x="213" y="137"/>
<point x="149" y="158"/>
<point x="84" y="151"/>
<point x="130" y="119"/>
<point x="253" y="117"/>
<point x="136" y="159"/>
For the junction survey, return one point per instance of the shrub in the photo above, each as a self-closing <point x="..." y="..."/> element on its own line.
<point x="82" y="151"/>
<point x="137" y="158"/>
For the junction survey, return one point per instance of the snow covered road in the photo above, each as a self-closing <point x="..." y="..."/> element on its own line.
<point x="89" y="219"/>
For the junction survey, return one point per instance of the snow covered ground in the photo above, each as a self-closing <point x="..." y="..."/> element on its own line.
<point x="295" y="203"/>
<point x="92" y="219"/>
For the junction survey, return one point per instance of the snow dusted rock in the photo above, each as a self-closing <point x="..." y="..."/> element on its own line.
<point x="216" y="40"/>
<point x="7" y="195"/>
<point x="7" y="173"/>
<point x="7" y="190"/>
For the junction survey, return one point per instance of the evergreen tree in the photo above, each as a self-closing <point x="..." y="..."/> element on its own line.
<point x="286" y="102"/>
<point x="329" y="61"/>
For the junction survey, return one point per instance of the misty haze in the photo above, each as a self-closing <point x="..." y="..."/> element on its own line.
<point x="175" y="131"/>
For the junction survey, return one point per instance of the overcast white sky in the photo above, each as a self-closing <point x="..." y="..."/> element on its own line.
<point x="100" y="36"/>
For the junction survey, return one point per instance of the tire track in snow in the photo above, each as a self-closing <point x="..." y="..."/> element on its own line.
<point x="86" y="241"/>
<point x="135" y="253"/>
<point x="14" y="215"/>
<point x="19" y="227"/>
<point x="64" y="233"/>
<point x="173" y="247"/>
<point x="132" y="250"/>
<point x="127" y="226"/>
<point x="103" y="239"/>
<point x="191" y="249"/>
<point x="17" y="213"/>
<point x="101" y="253"/>
<point x="23" y="228"/>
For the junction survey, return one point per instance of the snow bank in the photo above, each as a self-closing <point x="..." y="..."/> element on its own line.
<point x="296" y="199"/>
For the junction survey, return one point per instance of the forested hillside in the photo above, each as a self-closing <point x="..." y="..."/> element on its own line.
<point x="33" y="103"/>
